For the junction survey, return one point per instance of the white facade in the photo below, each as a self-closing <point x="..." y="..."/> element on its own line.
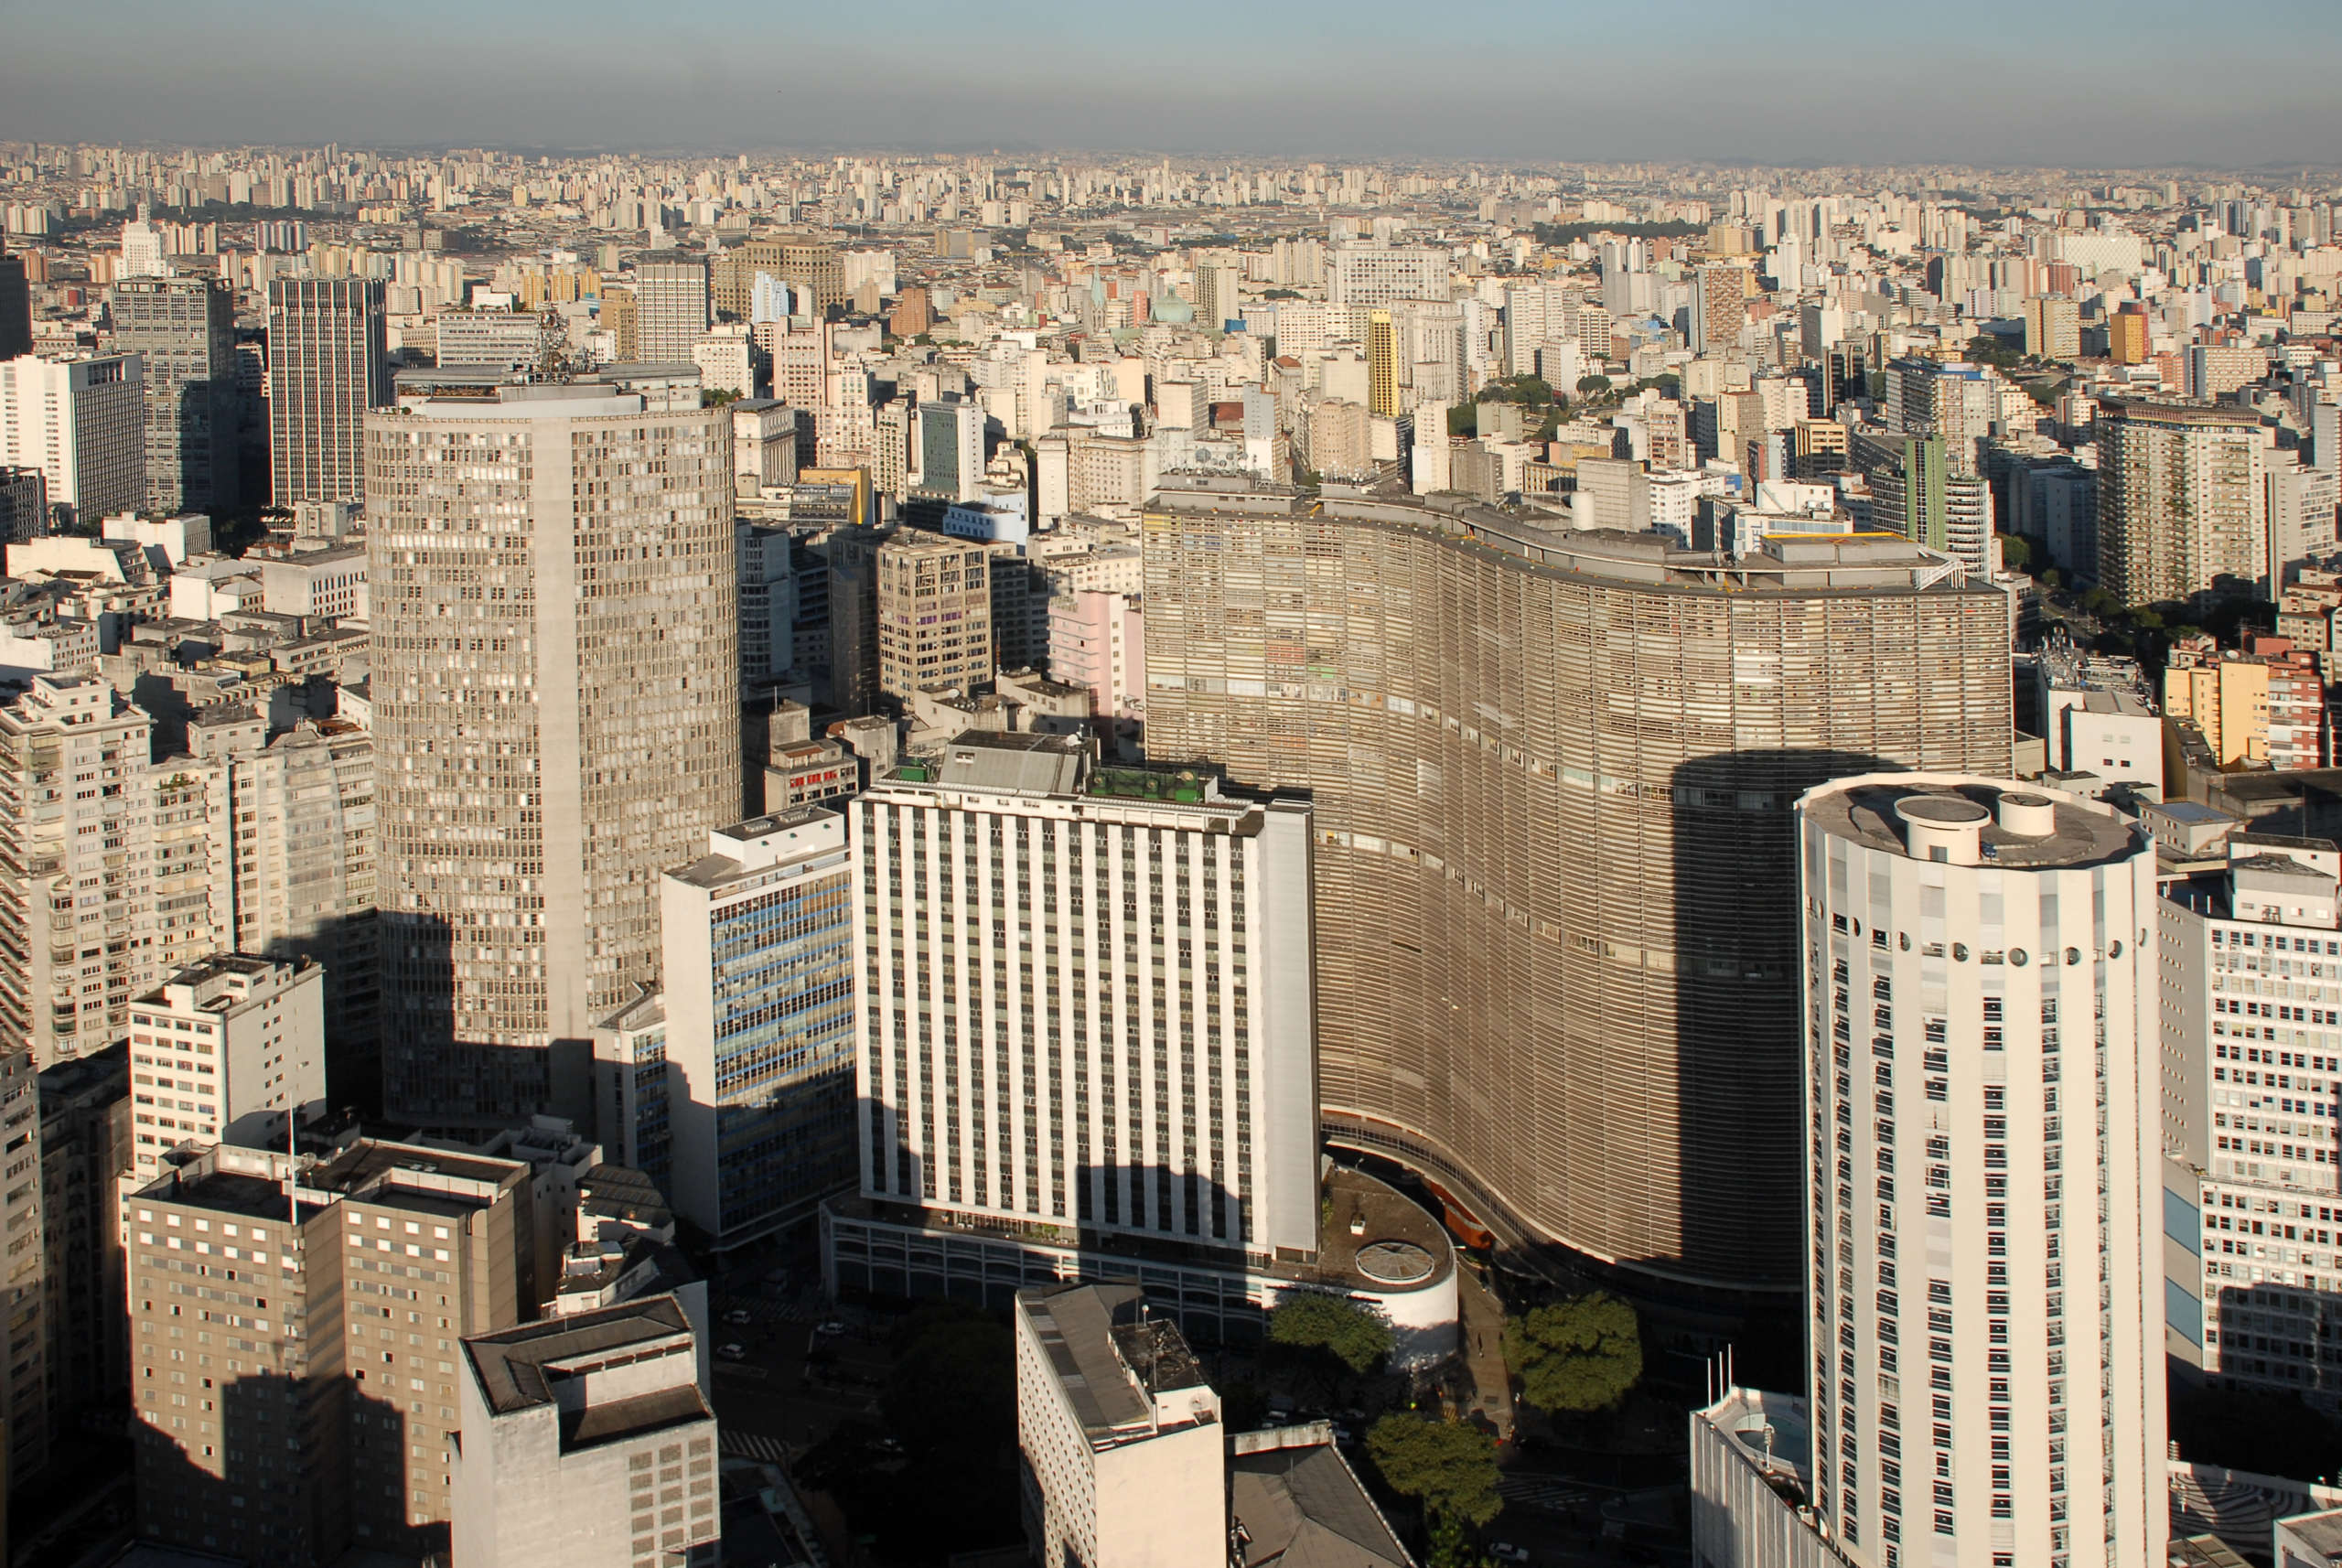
<point x="588" y="1443"/>
<point x="1122" y="1450"/>
<point x="1379" y="274"/>
<point x="2252" y="1003"/>
<point x="1146" y="1067"/>
<point x="1751" y="1453"/>
<point x="82" y="423"/>
<point x="1986" y="1295"/>
<point x="726" y="360"/>
<point x="219" y="1052"/>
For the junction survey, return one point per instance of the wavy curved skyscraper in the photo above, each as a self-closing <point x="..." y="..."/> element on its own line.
<point x="1550" y="778"/>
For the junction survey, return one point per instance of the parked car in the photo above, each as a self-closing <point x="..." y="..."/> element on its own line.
<point x="1506" y="1551"/>
<point x="739" y="1317"/>
<point x="734" y="1351"/>
<point x="832" y="1326"/>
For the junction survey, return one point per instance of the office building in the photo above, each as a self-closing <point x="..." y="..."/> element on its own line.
<point x="2127" y="337"/>
<point x="811" y="266"/>
<point x="766" y="575"/>
<point x="24" y="504"/>
<point x="2179" y="499"/>
<point x="82" y="423"/>
<point x="1382" y="274"/>
<point x="350" y="1280"/>
<point x="670" y="310"/>
<point x="950" y="450"/>
<point x="328" y="368"/>
<point x="223" y="1052"/>
<point x="547" y="749"/>
<point x="2252" y="1009"/>
<point x="759" y="958"/>
<point x="84" y="1155"/>
<point x="1985" y="1270"/>
<point x="587" y="1442"/>
<point x="2223" y="695"/>
<point x="1539" y="853"/>
<point x="1150" y="1088"/>
<point x="494" y="338"/>
<point x="1119" y="1446"/>
<point x="934" y="611"/>
<point x="15" y="307"/>
<point x="184" y="332"/>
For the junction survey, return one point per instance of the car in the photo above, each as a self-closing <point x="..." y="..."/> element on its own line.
<point x="1506" y="1551"/>
<point x="833" y="1326"/>
<point x="888" y="1446"/>
<point x="739" y="1317"/>
<point x="734" y="1351"/>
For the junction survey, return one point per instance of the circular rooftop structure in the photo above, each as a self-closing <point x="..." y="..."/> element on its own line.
<point x="1942" y="811"/>
<point x="1395" y="1262"/>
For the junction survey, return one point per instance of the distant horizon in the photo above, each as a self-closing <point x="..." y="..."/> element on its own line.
<point x="2090" y="85"/>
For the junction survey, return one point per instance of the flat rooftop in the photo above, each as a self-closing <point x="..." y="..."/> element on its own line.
<point x="1869" y="811"/>
<point x="365" y="1163"/>
<point x="221" y="1192"/>
<point x="1108" y="1354"/>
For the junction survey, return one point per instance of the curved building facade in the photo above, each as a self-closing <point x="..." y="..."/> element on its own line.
<point x="1985" y="1277"/>
<point x="1550" y="779"/>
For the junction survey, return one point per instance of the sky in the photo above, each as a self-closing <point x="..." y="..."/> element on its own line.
<point x="2082" y="83"/>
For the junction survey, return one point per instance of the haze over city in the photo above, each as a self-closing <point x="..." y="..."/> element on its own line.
<point x="1310" y="786"/>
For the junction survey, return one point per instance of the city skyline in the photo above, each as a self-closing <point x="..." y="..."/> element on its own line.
<point x="1230" y="80"/>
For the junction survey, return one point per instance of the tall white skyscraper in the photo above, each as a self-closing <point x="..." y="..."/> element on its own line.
<point x="328" y="366"/>
<point x="555" y="685"/>
<point x="670" y="310"/>
<point x="1084" y="1000"/>
<point x="1986" y="1284"/>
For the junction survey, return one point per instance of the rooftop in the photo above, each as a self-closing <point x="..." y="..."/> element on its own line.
<point x="1867" y="810"/>
<point x="1302" y="1507"/>
<point x="1109" y="1355"/>
<point x="519" y="1368"/>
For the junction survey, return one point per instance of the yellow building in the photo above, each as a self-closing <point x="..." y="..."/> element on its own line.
<point x="2224" y="695"/>
<point x="1381" y="365"/>
<point x="2126" y="338"/>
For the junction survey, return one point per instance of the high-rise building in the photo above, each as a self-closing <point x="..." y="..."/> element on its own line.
<point x="1719" y="307"/>
<point x="934" y="610"/>
<point x="1930" y="502"/>
<point x="82" y="423"/>
<point x="1121" y="1450"/>
<point x="588" y="1442"/>
<point x="497" y="339"/>
<point x="1380" y="275"/>
<point x="759" y="958"/>
<point x="950" y="450"/>
<point x="617" y="317"/>
<point x="2249" y="1082"/>
<point x="2180" y="500"/>
<point x="84" y="1156"/>
<point x="347" y="1283"/>
<point x="15" y="307"/>
<point x="24" y="1288"/>
<point x="184" y="330"/>
<point x="69" y="968"/>
<point x="1985" y="1270"/>
<point x="1381" y="365"/>
<point x="812" y="265"/>
<point x="1147" y="1072"/>
<point x="143" y="251"/>
<point x="1541" y="855"/>
<point x="546" y="750"/>
<point x="2127" y="339"/>
<point x="223" y="1052"/>
<point x="327" y="367"/>
<point x="24" y="504"/>
<point x="670" y="310"/>
<point x="2053" y="327"/>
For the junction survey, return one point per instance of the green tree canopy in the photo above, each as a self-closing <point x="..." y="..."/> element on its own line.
<point x="2016" y="551"/>
<point x="1451" y="1466"/>
<point x="1583" y="1354"/>
<point x="954" y="1386"/>
<point x="1593" y="383"/>
<point x="1349" y="1332"/>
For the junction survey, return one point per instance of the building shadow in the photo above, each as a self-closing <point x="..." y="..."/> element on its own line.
<point x="432" y="1078"/>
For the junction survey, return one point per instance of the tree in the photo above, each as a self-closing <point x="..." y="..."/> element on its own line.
<point x="2016" y="551"/>
<point x="1593" y="383"/>
<point x="1451" y="1466"/>
<point x="1350" y="1332"/>
<point x="1452" y="1547"/>
<point x="1581" y="1354"/>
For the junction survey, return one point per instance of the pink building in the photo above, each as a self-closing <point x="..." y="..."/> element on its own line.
<point x="1098" y="639"/>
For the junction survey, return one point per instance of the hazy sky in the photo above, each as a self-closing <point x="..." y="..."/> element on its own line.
<point x="1997" y="82"/>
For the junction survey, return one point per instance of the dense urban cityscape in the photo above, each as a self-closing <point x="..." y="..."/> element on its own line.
<point x="1128" y="860"/>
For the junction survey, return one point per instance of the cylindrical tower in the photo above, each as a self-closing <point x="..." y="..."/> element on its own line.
<point x="1986" y="1305"/>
